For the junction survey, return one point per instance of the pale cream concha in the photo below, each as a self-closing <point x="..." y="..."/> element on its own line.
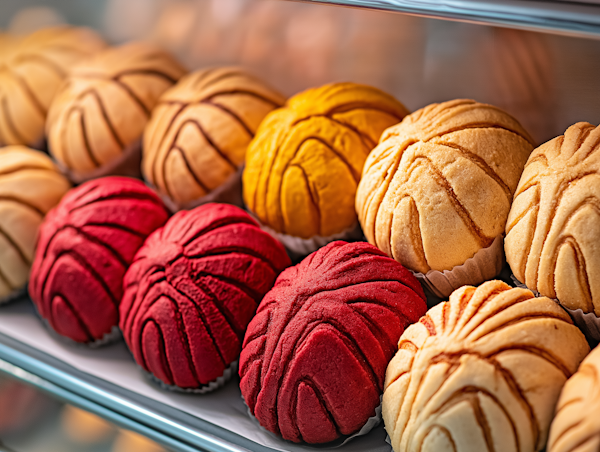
<point x="481" y="373"/>
<point x="30" y="185"/>
<point x="197" y="136"/>
<point x="32" y="70"/>
<point x="96" y="121"/>
<point x="439" y="185"/>
<point x="553" y="231"/>
<point x="576" y="425"/>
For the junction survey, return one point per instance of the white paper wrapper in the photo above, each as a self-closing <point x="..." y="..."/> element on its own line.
<point x="483" y="266"/>
<point x="128" y="164"/>
<point x="230" y="192"/>
<point x="587" y="322"/>
<point x="17" y="294"/>
<point x="371" y="423"/>
<point x="298" y="247"/>
<point x="211" y="386"/>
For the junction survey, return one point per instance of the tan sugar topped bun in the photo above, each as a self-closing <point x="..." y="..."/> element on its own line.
<point x="101" y="111"/>
<point x="31" y="72"/>
<point x="30" y="185"/>
<point x="439" y="185"/>
<point x="200" y="129"/>
<point x="481" y="372"/>
<point x="553" y="232"/>
<point x="304" y="164"/>
<point x="576" y="425"/>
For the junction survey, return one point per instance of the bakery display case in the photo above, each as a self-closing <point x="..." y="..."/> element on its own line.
<point x="78" y="383"/>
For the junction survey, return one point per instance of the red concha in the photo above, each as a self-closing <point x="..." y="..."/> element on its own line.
<point x="314" y="357"/>
<point x="84" y="248"/>
<point x="192" y="290"/>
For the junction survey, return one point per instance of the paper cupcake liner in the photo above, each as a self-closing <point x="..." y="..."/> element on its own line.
<point x="211" y="386"/>
<point x="371" y="423"/>
<point x="113" y="336"/>
<point x="298" y="247"/>
<point x="229" y="192"/>
<point x="15" y="295"/>
<point x="483" y="266"/>
<point x="587" y="322"/>
<point x="127" y="164"/>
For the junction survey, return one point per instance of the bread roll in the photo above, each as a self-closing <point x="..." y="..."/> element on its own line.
<point x="30" y="185"/>
<point x="576" y="426"/>
<point x="304" y="164"/>
<point x="31" y="72"/>
<point x="200" y="129"/>
<point x="553" y="230"/>
<point x="439" y="185"/>
<point x="481" y="372"/>
<point x="98" y="117"/>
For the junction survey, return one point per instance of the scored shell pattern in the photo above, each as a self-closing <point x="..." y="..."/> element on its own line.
<point x="200" y="129"/>
<point x="438" y="187"/>
<point x="104" y="105"/>
<point x="32" y="70"/>
<point x="481" y="372"/>
<point x="553" y="229"/>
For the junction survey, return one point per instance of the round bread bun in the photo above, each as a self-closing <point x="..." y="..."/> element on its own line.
<point x="97" y="119"/>
<point x="576" y="425"/>
<point x="481" y="372"/>
<point x="304" y="164"/>
<point x="84" y="249"/>
<point x="553" y="231"/>
<point x="30" y="185"/>
<point x="314" y="357"/>
<point x="439" y="185"/>
<point x="192" y="290"/>
<point x="32" y="70"/>
<point x="200" y="129"/>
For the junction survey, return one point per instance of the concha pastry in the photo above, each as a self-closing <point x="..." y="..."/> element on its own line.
<point x="199" y="131"/>
<point x="304" y="164"/>
<point x="85" y="246"/>
<point x="30" y="185"/>
<point x="553" y="230"/>
<point x="192" y="290"/>
<point x="576" y="425"/>
<point x="481" y="372"/>
<point x="439" y="185"/>
<point x="96" y="120"/>
<point x="31" y="73"/>
<point x="314" y="357"/>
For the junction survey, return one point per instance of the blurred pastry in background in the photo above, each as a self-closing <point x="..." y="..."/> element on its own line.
<point x="195" y="143"/>
<point x="96" y="122"/>
<point x="127" y="441"/>
<point x="31" y="73"/>
<point x="85" y="428"/>
<point x="34" y="18"/>
<point x="22" y="407"/>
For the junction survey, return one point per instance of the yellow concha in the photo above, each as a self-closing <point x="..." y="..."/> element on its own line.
<point x="304" y="164"/>
<point x="30" y="185"/>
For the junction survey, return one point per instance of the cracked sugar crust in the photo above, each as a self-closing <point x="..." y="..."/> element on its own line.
<point x="481" y="372"/>
<point x="314" y="356"/>
<point x="439" y="185"/>
<point x="576" y="425"/>
<point x="192" y="290"/>
<point x="553" y="229"/>
<point x="84" y="249"/>
<point x="304" y="164"/>
<point x="200" y="129"/>
<point x="105" y="104"/>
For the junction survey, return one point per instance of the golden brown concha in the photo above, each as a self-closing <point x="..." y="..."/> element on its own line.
<point x="200" y="129"/>
<point x="576" y="425"/>
<point x="96" y="121"/>
<point x="304" y="164"/>
<point x="481" y="373"/>
<point x="30" y="185"/>
<point x="553" y="231"/>
<point x="31" y="72"/>
<point x="439" y="185"/>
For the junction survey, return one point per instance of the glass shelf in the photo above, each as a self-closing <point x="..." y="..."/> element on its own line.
<point x="574" y="18"/>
